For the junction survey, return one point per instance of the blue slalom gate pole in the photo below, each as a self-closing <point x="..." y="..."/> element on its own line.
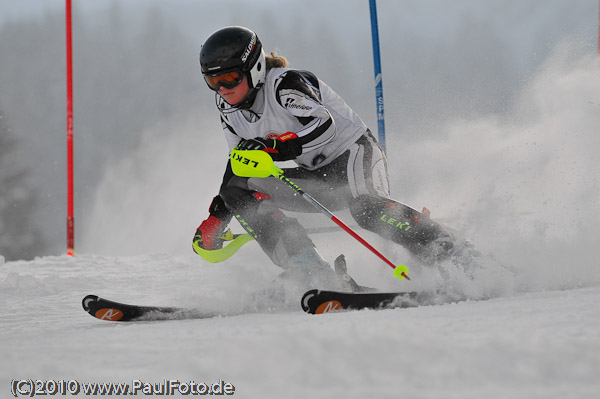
<point x="378" y="76"/>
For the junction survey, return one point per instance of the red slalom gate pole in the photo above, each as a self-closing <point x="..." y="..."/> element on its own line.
<point x="70" y="202"/>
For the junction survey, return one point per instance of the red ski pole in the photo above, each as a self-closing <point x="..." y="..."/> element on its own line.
<point x="256" y="163"/>
<point x="399" y="271"/>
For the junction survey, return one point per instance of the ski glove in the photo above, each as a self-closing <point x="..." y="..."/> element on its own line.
<point x="211" y="233"/>
<point x="282" y="148"/>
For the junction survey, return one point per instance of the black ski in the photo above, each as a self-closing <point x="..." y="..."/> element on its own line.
<point x="318" y="301"/>
<point x="105" y="309"/>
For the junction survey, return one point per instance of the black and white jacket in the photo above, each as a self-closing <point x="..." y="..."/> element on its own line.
<point x="296" y="101"/>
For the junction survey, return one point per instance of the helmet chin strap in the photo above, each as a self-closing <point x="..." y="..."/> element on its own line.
<point x="245" y="104"/>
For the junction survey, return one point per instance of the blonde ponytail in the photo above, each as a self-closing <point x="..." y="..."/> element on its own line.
<point x="276" y="61"/>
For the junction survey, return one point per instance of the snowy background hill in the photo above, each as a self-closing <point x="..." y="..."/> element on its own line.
<point x="492" y="115"/>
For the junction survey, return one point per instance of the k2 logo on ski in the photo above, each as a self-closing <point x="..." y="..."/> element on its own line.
<point x="329" y="306"/>
<point x="109" y="314"/>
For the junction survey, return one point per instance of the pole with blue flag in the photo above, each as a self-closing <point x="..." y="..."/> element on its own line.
<point x="378" y="76"/>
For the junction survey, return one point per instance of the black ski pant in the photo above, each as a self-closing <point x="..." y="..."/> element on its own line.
<point x="357" y="180"/>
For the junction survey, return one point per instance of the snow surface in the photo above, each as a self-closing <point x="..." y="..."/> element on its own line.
<point x="543" y="344"/>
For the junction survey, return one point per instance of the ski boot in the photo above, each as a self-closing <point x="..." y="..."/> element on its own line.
<point x="446" y="250"/>
<point x="309" y="270"/>
<point x="350" y="285"/>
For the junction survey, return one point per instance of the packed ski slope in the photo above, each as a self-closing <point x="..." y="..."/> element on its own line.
<point x="525" y="345"/>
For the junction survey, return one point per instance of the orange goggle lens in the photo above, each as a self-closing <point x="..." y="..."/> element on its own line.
<point x="228" y="80"/>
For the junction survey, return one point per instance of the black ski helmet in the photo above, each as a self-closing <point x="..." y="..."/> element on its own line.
<point x="234" y="48"/>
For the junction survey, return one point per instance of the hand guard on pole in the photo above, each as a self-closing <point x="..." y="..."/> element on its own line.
<point x="282" y="148"/>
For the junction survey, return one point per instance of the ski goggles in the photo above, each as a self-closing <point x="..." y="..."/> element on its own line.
<point x="228" y="80"/>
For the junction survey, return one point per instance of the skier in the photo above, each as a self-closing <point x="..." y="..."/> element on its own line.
<point x="293" y="115"/>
